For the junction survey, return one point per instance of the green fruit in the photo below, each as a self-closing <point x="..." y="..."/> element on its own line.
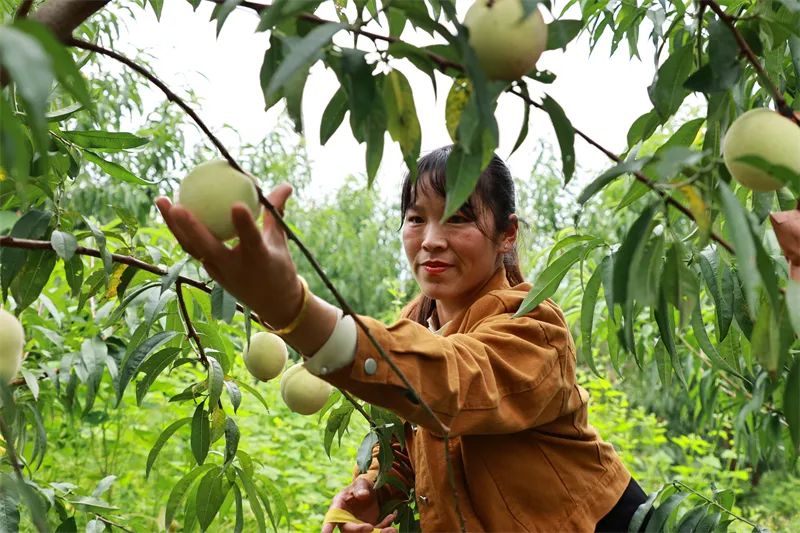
<point x="302" y="391"/>
<point x="12" y="341"/>
<point x="209" y="192"/>
<point x="506" y="45"/>
<point x="266" y="356"/>
<point x="768" y="135"/>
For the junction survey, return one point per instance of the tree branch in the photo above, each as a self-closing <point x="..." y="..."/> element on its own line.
<point x="188" y="321"/>
<point x="783" y="108"/>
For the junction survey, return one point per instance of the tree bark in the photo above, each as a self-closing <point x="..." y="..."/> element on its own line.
<point x="63" y="16"/>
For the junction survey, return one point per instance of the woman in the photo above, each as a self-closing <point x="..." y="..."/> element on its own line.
<point x="523" y="455"/>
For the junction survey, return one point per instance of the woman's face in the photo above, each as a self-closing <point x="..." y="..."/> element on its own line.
<point x="451" y="260"/>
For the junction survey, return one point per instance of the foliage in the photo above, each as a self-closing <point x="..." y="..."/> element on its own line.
<point x="681" y="299"/>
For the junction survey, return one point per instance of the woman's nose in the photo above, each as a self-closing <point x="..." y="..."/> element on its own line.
<point x="434" y="237"/>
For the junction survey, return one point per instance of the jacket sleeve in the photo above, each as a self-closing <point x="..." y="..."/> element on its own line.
<point x="502" y="375"/>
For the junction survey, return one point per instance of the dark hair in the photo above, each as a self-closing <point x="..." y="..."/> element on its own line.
<point x="494" y="190"/>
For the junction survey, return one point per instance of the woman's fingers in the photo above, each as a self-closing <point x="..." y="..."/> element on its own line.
<point x="250" y="237"/>
<point x="386" y="522"/>
<point x="277" y="198"/>
<point x="177" y="229"/>
<point x="202" y="243"/>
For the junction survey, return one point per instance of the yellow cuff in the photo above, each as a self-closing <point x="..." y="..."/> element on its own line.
<point x="339" y="516"/>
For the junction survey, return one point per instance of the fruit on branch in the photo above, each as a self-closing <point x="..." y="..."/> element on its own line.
<point x="767" y="134"/>
<point x="302" y="391"/>
<point x="507" y="45"/>
<point x="12" y="341"/>
<point x="266" y="356"/>
<point x="209" y="192"/>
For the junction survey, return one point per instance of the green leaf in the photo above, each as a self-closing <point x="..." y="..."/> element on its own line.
<point x="281" y="10"/>
<point x="364" y="454"/>
<point x="637" y="520"/>
<point x="625" y="167"/>
<point x="64" y="244"/>
<point x="781" y="173"/>
<point x="215" y="379"/>
<point x="629" y="251"/>
<point x="152" y="367"/>
<point x="33" y="277"/>
<point x="562" y="31"/>
<point x="31" y="69"/>
<point x="222" y="11"/>
<point x="73" y="270"/>
<point x="659" y="518"/>
<point x="231" y="439"/>
<point x="765" y="341"/>
<point x="463" y="172"/>
<point x="173" y="273"/>
<point x="666" y="328"/>
<point x="238" y="526"/>
<point x="793" y="304"/>
<point x="254" y="392"/>
<point x="550" y="278"/>
<point x="210" y="495"/>
<point x="104" y="140"/>
<point x="181" y="488"/>
<point x="31" y="225"/>
<point x="223" y="305"/>
<point x="162" y="440"/>
<point x="333" y="116"/>
<point x="134" y="357"/>
<point x="234" y="393"/>
<point x="252" y="497"/>
<point x="114" y="170"/>
<point x="744" y="245"/>
<point x="201" y="434"/>
<point x="300" y="55"/>
<point x="401" y="117"/>
<point x="791" y="403"/>
<point x="588" y="303"/>
<point x="565" y="134"/>
<point x="667" y="91"/>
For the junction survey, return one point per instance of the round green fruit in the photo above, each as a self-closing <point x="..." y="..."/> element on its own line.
<point x="768" y="135"/>
<point x="266" y="356"/>
<point x="507" y="45"/>
<point x="209" y="192"/>
<point x="302" y="391"/>
<point x="12" y="341"/>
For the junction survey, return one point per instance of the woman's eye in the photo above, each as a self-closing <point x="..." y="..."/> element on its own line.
<point x="413" y="219"/>
<point x="457" y="219"/>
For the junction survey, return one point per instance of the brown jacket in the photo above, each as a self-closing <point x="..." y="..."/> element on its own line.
<point x="524" y="455"/>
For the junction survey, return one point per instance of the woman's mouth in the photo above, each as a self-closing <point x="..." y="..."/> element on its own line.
<point x="434" y="267"/>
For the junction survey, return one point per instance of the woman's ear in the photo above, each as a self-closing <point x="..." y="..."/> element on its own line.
<point x="509" y="236"/>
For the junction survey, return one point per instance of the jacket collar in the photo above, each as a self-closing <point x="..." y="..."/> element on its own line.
<point x="496" y="282"/>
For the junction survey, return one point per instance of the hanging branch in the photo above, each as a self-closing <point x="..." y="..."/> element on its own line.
<point x="188" y="321"/>
<point x="783" y="108"/>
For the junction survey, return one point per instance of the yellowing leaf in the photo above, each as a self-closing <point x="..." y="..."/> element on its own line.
<point x="698" y="208"/>
<point x="455" y="104"/>
<point x="114" y="281"/>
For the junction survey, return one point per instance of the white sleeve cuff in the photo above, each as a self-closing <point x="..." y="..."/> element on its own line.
<point x="338" y="351"/>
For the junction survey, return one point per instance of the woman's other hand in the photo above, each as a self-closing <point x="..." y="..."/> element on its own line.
<point x="786" y="225"/>
<point x="359" y="499"/>
<point x="259" y="270"/>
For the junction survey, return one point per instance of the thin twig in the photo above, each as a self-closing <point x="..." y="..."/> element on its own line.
<point x="188" y="321"/>
<point x="358" y="408"/>
<point x="678" y="484"/>
<point x="171" y="96"/>
<point x="783" y="108"/>
<point x="23" y="9"/>
<point x="638" y="174"/>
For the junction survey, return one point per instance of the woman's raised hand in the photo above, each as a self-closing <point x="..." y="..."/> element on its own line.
<point x="360" y="500"/>
<point x="259" y="270"/>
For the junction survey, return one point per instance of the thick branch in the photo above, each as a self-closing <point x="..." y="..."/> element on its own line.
<point x="188" y="321"/>
<point x="63" y="16"/>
